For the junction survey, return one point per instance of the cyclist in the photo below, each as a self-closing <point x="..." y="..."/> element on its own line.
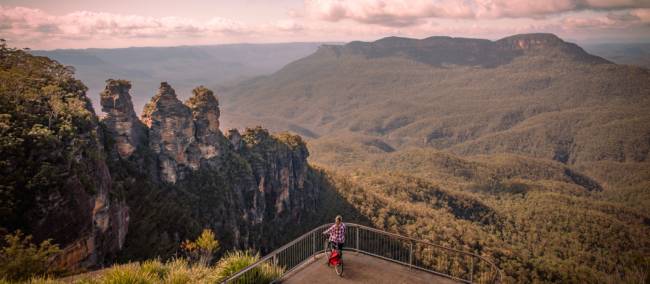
<point x="337" y="234"/>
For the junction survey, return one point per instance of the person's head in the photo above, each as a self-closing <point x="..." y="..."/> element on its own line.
<point x="338" y="219"/>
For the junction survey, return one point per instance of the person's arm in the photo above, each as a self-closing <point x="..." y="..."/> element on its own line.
<point x="328" y="230"/>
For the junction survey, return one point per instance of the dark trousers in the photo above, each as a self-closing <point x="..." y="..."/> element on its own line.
<point x="338" y="246"/>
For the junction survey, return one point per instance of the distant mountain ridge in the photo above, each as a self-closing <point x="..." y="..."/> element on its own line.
<point x="183" y="66"/>
<point x="442" y="50"/>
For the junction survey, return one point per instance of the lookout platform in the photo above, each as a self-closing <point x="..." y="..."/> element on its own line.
<point x="360" y="268"/>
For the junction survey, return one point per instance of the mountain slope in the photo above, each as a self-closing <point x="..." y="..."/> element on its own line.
<point x="547" y="99"/>
<point x="552" y="142"/>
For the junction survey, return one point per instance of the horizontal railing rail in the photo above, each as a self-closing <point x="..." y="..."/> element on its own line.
<point x="455" y="264"/>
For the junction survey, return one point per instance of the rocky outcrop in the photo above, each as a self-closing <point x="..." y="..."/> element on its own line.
<point x="171" y="132"/>
<point x="133" y="189"/>
<point x="127" y="130"/>
<point x="90" y="228"/>
<point x="205" y="114"/>
<point x="235" y="138"/>
<point x="280" y="168"/>
<point x="548" y="44"/>
<point x="243" y="183"/>
<point x="183" y="135"/>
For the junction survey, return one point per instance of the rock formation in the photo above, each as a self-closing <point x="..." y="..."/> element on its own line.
<point x="131" y="189"/>
<point x="128" y="130"/>
<point x="205" y="113"/>
<point x="235" y="138"/>
<point x="244" y="182"/>
<point x="171" y="131"/>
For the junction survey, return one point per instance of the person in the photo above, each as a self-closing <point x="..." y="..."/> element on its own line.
<point x="337" y="234"/>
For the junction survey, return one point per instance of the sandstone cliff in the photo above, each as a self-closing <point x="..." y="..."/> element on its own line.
<point x="129" y="189"/>
<point x="240" y="185"/>
<point x="54" y="180"/>
<point x="128" y="130"/>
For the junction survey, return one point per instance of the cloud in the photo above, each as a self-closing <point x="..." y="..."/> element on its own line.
<point x="635" y="18"/>
<point x="335" y="20"/>
<point x="288" y="25"/>
<point x="387" y="13"/>
<point x="400" y="13"/>
<point x="28" y="24"/>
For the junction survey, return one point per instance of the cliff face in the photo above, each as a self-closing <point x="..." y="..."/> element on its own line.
<point x="171" y="132"/>
<point x="128" y="131"/>
<point x="205" y="114"/>
<point x="130" y="189"/>
<point x="54" y="182"/>
<point x="238" y="185"/>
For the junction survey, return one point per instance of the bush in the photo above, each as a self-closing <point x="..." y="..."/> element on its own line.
<point x="155" y="267"/>
<point x="131" y="273"/>
<point x="20" y="259"/>
<point x="202" y="248"/>
<point x="181" y="272"/>
<point x="176" y="271"/>
<point x="234" y="262"/>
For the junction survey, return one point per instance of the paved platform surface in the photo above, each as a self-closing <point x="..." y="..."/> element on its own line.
<point x="360" y="268"/>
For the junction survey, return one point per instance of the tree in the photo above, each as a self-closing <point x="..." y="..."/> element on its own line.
<point x="21" y="259"/>
<point x="203" y="248"/>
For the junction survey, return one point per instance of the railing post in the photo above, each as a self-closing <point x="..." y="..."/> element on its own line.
<point x="313" y="248"/>
<point x="357" y="242"/>
<point x="471" y="269"/>
<point x="410" y="255"/>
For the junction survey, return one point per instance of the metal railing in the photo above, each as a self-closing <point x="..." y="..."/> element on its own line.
<point x="458" y="265"/>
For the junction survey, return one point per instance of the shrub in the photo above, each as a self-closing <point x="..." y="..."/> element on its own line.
<point x="128" y="274"/>
<point x="155" y="267"/>
<point x="234" y="262"/>
<point x="21" y="259"/>
<point x="180" y="271"/>
<point x="40" y="280"/>
<point x="202" y="248"/>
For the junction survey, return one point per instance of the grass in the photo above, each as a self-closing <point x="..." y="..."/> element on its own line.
<point x="175" y="271"/>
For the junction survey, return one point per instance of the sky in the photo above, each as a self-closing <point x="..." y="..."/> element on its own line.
<point x="53" y="24"/>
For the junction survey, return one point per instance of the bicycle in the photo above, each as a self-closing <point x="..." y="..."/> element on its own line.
<point x="334" y="258"/>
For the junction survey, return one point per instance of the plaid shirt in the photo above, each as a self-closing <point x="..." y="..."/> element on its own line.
<point x="337" y="235"/>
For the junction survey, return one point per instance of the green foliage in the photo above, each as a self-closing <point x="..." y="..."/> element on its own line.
<point x="48" y="144"/>
<point x="526" y="214"/>
<point x="129" y="274"/>
<point x="155" y="267"/>
<point x="21" y="259"/>
<point x="202" y="248"/>
<point x="234" y="262"/>
<point x="294" y="141"/>
<point x="174" y="271"/>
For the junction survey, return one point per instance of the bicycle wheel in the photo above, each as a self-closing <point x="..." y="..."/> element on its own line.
<point x="339" y="269"/>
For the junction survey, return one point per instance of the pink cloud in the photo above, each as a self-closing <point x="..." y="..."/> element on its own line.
<point x="25" y="24"/>
<point x="413" y="12"/>
<point x="612" y="20"/>
<point x="332" y="20"/>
